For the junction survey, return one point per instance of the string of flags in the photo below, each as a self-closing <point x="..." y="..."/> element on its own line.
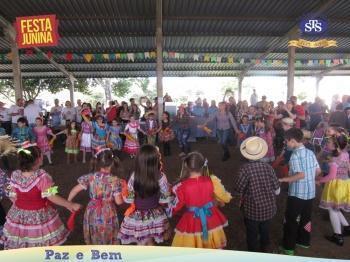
<point x="169" y="56"/>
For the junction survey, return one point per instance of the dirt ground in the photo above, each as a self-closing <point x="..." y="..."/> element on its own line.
<point x="65" y="177"/>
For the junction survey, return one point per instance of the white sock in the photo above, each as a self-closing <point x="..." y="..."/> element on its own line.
<point x="48" y="155"/>
<point x="343" y="220"/>
<point x="335" y="221"/>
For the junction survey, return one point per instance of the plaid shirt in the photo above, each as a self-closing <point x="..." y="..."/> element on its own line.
<point x="303" y="161"/>
<point x="257" y="183"/>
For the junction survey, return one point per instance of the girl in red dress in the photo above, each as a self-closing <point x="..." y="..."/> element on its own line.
<point x="202" y="223"/>
<point x="32" y="220"/>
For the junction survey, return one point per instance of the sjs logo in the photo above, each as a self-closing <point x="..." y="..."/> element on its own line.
<point x="315" y="26"/>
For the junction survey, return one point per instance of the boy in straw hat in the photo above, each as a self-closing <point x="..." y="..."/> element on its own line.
<point x="303" y="168"/>
<point x="258" y="186"/>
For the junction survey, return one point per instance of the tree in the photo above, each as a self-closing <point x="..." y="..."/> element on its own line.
<point x="33" y="87"/>
<point x="123" y="87"/>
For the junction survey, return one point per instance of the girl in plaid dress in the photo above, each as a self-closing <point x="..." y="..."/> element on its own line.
<point x="132" y="144"/>
<point x="101" y="224"/>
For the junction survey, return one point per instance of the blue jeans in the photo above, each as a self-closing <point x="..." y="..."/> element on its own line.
<point x="182" y="138"/>
<point x="224" y="136"/>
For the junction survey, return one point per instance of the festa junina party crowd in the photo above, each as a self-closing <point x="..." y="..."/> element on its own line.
<point x="303" y="145"/>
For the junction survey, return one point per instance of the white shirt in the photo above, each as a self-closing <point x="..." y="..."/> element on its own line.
<point x="15" y="109"/>
<point x="253" y="99"/>
<point x="78" y="114"/>
<point x="69" y="113"/>
<point x="31" y="112"/>
<point x="4" y="115"/>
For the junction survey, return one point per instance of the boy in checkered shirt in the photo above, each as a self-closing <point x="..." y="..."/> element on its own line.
<point x="258" y="186"/>
<point x="303" y="168"/>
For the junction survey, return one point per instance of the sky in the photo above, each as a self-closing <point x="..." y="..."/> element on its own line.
<point x="274" y="88"/>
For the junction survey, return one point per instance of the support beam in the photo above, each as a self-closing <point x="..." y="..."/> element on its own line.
<point x="291" y="71"/>
<point x="71" y="90"/>
<point x="159" y="68"/>
<point x="16" y="69"/>
<point x="318" y="80"/>
<point x="240" y="82"/>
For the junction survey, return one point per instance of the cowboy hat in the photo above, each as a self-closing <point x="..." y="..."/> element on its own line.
<point x="288" y="121"/>
<point x="307" y="134"/>
<point x="254" y="148"/>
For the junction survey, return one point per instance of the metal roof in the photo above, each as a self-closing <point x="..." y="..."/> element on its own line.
<point x="225" y="28"/>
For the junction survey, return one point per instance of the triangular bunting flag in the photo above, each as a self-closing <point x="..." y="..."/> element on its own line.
<point x="241" y="61"/>
<point x="153" y="54"/>
<point x="321" y="62"/>
<point x="230" y="60"/>
<point x="123" y="56"/>
<point x="9" y="56"/>
<point x="213" y="59"/>
<point x="206" y="58"/>
<point x="111" y="57"/>
<point x="195" y="57"/>
<point x="147" y="55"/>
<point x="177" y="55"/>
<point x="328" y="62"/>
<point x="49" y="54"/>
<point x="69" y="57"/>
<point x="182" y="56"/>
<point x="2" y="57"/>
<point x="105" y="56"/>
<point x="218" y="59"/>
<point x="131" y="57"/>
<point x="88" y="57"/>
<point x="29" y="52"/>
<point x="98" y="57"/>
<point x="117" y="56"/>
<point x="165" y="54"/>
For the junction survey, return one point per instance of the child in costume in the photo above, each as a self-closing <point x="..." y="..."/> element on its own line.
<point x="151" y="128"/>
<point x="105" y="190"/>
<point x="264" y="131"/>
<point x="303" y="168"/>
<point x="22" y="132"/>
<point x="72" y="141"/>
<point x="100" y="129"/>
<point x="148" y="189"/>
<point x="41" y="132"/>
<point x="246" y="129"/>
<point x="86" y="135"/>
<point x="336" y="193"/>
<point x="258" y="186"/>
<point x="7" y="150"/>
<point x="114" y="140"/>
<point x="32" y="220"/>
<point x="131" y="130"/>
<point x="166" y="134"/>
<point x="202" y="224"/>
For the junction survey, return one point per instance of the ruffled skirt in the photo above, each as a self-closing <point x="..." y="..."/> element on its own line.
<point x="336" y="195"/>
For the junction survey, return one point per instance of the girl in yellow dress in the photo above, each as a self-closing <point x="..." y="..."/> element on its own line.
<point x="336" y="193"/>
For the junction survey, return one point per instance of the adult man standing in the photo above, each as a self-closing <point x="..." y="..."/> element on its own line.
<point x="5" y="118"/>
<point x="339" y="117"/>
<point x="253" y="98"/>
<point x="315" y="112"/>
<point x="56" y="113"/>
<point x="16" y="111"/>
<point x="31" y="112"/>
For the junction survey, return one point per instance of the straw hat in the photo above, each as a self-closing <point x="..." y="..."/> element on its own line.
<point x="254" y="148"/>
<point x="307" y="134"/>
<point x="288" y="121"/>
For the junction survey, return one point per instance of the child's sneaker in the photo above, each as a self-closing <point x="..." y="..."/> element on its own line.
<point x="303" y="246"/>
<point x="286" y="252"/>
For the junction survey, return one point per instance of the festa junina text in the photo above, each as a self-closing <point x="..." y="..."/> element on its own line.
<point x="36" y="31"/>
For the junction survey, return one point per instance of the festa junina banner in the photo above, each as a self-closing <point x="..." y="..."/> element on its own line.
<point x="312" y="44"/>
<point x="37" y="31"/>
<point x="142" y="253"/>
